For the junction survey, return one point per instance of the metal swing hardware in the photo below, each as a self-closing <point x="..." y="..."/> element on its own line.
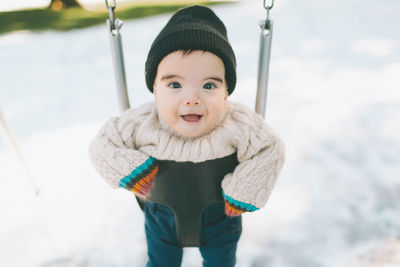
<point x="197" y="184"/>
<point x="114" y="25"/>
<point x="264" y="60"/>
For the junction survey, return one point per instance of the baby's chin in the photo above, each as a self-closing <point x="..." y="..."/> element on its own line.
<point x="188" y="130"/>
<point x="191" y="131"/>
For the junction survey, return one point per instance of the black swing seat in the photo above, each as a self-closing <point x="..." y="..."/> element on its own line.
<point x="188" y="188"/>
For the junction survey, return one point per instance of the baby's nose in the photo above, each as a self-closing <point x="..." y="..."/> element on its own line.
<point x="193" y="100"/>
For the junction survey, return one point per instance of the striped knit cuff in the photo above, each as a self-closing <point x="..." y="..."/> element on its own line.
<point x="235" y="208"/>
<point x="141" y="178"/>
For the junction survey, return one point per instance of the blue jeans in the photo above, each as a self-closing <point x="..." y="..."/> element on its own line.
<point x="220" y="235"/>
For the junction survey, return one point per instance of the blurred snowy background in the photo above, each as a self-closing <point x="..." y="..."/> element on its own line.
<point x="333" y="97"/>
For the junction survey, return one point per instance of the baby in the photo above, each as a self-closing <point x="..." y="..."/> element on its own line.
<point x="191" y="145"/>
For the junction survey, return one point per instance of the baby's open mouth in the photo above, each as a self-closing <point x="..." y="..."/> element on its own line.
<point x="191" y="117"/>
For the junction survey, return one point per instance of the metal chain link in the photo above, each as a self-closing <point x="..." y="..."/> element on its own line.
<point x="270" y="6"/>
<point x="110" y="4"/>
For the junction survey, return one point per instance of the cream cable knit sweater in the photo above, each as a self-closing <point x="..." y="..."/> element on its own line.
<point x="124" y="143"/>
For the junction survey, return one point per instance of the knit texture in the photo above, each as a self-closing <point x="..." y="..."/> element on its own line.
<point x="113" y="155"/>
<point x="125" y="143"/>
<point x="141" y="179"/>
<point x="195" y="28"/>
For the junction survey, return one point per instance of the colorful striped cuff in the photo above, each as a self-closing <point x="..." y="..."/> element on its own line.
<point x="235" y="207"/>
<point x="141" y="178"/>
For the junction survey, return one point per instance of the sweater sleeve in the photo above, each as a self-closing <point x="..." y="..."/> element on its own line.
<point x="261" y="156"/>
<point x="114" y="155"/>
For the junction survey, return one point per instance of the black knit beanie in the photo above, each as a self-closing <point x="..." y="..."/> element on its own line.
<point x="192" y="28"/>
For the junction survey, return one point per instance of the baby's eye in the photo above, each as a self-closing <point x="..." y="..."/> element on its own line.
<point x="174" y="85"/>
<point x="209" y="86"/>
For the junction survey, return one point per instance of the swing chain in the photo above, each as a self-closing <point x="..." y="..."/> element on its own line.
<point x="266" y="23"/>
<point x="110" y="4"/>
<point x="114" y="23"/>
<point x="270" y="6"/>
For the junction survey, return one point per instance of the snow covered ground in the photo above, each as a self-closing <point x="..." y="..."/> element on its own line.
<point x="334" y="98"/>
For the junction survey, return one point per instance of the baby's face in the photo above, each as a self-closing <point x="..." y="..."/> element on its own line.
<point x="191" y="91"/>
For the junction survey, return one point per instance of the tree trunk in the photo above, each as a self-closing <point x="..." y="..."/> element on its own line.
<point x="62" y="4"/>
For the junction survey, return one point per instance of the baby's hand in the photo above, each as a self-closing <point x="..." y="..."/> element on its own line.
<point x="231" y="210"/>
<point x="235" y="207"/>
<point x="141" y="178"/>
<point x="143" y="186"/>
